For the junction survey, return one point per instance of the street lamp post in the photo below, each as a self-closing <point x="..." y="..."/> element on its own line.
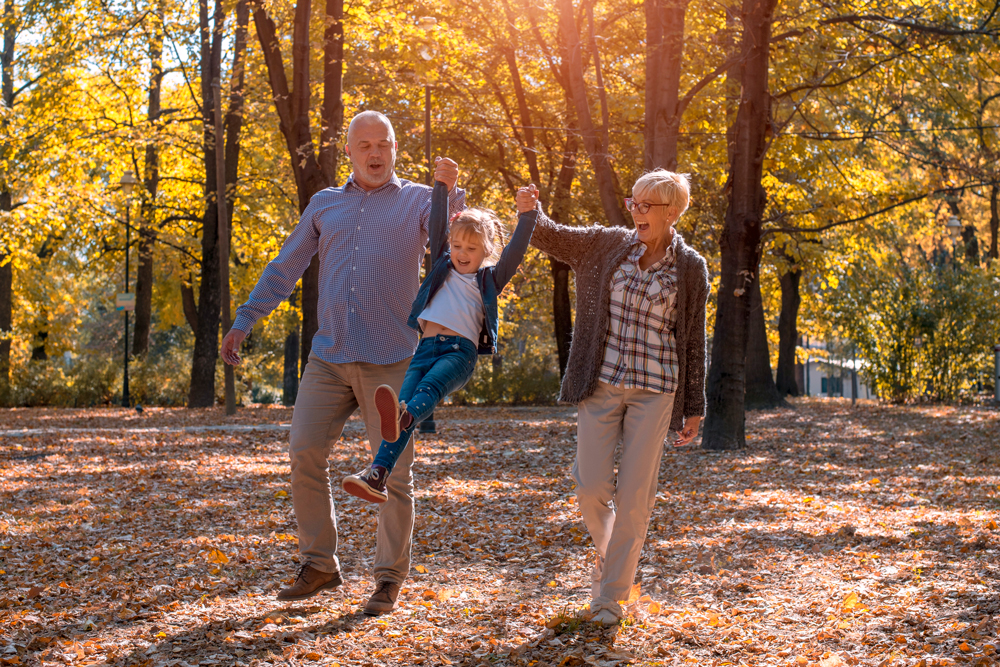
<point x="127" y="182"/>
<point x="427" y="51"/>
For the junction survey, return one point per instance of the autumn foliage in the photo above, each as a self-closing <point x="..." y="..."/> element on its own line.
<point x="866" y="130"/>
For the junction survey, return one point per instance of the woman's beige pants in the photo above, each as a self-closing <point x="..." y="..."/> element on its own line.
<point x="618" y="516"/>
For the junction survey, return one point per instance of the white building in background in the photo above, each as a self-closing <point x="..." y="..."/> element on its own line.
<point x="827" y="376"/>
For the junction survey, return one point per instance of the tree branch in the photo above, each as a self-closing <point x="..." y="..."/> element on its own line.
<point x="944" y="30"/>
<point x="840" y="223"/>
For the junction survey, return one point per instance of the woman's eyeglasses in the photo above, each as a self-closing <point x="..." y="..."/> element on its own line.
<point x="642" y="206"/>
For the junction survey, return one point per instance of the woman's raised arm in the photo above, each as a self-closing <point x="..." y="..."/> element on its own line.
<point x="567" y="244"/>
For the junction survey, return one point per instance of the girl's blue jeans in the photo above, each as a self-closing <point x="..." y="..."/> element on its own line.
<point x="441" y="365"/>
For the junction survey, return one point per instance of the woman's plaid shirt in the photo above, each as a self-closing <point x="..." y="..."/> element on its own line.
<point x="641" y="350"/>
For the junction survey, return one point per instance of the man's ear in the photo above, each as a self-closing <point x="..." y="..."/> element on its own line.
<point x="347" y="149"/>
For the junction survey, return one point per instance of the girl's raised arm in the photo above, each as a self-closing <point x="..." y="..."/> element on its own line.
<point x="438" y="223"/>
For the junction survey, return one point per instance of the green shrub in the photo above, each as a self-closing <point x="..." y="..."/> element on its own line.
<point x="923" y="329"/>
<point x="83" y="382"/>
<point x="529" y="377"/>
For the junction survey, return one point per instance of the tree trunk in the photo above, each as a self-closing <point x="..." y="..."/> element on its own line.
<point x="526" y="136"/>
<point x="189" y="306"/>
<point x="6" y="201"/>
<point x="761" y="393"/>
<point x="290" y="384"/>
<point x="788" y="332"/>
<point x="332" y="112"/>
<point x="971" y="244"/>
<point x="562" y="313"/>
<point x="206" y="325"/>
<point x="740" y="239"/>
<point x="234" y="114"/>
<point x="562" y="306"/>
<point x="732" y="85"/>
<point x="598" y="150"/>
<point x="664" y="53"/>
<point x="310" y="310"/>
<point x="994" y="221"/>
<point x="6" y="317"/>
<point x="292" y="106"/>
<point x="144" y="286"/>
<point x="38" y="350"/>
<point x="206" y="340"/>
<point x="151" y="181"/>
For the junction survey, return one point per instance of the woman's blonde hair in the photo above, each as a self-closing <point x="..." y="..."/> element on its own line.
<point x="666" y="186"/>
<point x="485" y="226"/>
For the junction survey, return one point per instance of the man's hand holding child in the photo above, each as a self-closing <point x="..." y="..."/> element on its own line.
<point x="526" y="198"/>
<point x="446" y="171"/>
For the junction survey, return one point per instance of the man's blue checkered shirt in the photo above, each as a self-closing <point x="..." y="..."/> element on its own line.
<point x="371" y="245"/>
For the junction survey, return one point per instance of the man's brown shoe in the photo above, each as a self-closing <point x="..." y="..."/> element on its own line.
<point x="310" y="582"/>
<point x="384" y="599"/>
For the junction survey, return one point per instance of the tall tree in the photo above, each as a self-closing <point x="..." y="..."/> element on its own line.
<point x="561" y="306"/>
<point x="151" y="183"/>
<point x="312" y="174"/>
<point x="559" y="192"/>
<point x="664" y="63"/>
<point x="10" y="30"/>
<point x="596" y="144"/>
<point x="994" y="252"/>
<point x="760" y="391"/>
<point x="39" y="351"/>
<point x="31" y="143"/>
<point x="740" y="239"/>
<point x="788" y="333"/>
<point x="206" y="346"/>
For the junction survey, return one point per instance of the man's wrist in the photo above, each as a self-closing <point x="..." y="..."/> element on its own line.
<point x="242" y="323"/>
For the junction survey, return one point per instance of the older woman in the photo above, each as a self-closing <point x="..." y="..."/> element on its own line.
<point x="636" y="366"/>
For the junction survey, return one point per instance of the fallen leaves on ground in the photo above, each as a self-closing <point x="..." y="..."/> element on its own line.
<point x="843" y="535"/>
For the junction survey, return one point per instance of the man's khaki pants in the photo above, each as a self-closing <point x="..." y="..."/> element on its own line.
<point x="327" y="397"/>
<point x="617" y="518"/>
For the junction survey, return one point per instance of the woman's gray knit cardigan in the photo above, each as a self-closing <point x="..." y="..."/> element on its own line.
<point x="594" y="253"/>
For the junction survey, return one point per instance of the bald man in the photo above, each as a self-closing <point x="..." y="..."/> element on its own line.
<point x="371" y="234"/>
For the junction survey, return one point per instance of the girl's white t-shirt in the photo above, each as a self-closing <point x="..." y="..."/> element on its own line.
<point x="458" y="305"/>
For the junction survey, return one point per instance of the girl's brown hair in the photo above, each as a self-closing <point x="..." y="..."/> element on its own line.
<point x="484" y="225"/>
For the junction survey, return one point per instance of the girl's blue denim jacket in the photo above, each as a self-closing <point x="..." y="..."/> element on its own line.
<point x="491" y="279"/>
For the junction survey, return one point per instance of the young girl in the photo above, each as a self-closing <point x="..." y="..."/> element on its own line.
<point x="456" y="311"/>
